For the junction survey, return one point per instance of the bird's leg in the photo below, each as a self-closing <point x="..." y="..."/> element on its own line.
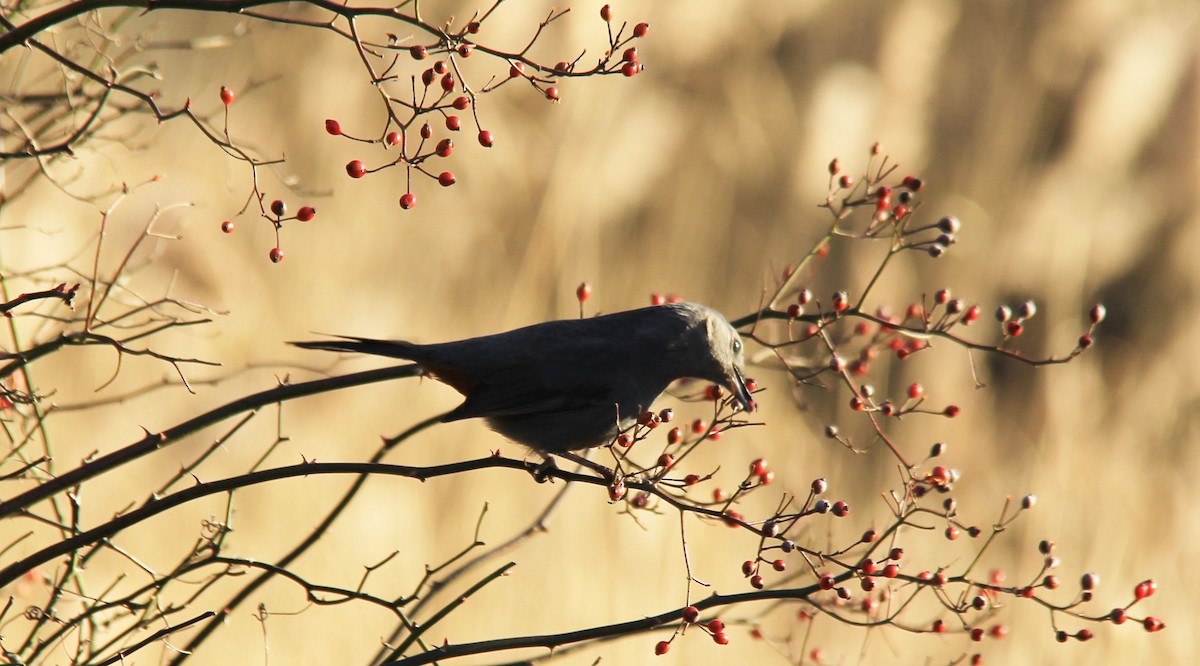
<point x="541" y="471"/>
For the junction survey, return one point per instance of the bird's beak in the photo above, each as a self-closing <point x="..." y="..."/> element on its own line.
<point x="741" y="392"/>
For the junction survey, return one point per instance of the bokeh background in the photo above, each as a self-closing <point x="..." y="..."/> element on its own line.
<point x="1064" y="133"/>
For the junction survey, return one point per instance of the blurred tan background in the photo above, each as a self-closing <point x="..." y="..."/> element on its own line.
<point x="1064" y="134"/>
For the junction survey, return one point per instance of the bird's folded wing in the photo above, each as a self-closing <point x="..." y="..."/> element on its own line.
<point x="524" y="399"/>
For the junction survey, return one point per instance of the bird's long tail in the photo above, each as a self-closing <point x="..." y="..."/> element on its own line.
<point x="390" y="348"/>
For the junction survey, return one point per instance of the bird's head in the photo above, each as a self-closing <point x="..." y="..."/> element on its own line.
<point x="714" y="351"/>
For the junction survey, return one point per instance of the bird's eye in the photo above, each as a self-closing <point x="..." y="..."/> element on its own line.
<point x="737" y="346"/>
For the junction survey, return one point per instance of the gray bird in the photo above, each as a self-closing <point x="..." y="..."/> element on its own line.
<point x="573" y="384"/>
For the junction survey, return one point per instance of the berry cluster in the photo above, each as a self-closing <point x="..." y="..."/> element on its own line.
<point x="441" y="93"/>
<point x="867" y="580"/>
<point x="277" y="211"/>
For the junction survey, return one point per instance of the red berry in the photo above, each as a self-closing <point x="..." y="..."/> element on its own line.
<point x="939" y="626"/>
<point x="662" y="647"/>
<point x="939" y="475"/>
<point x="444" y="148"/>
<point x="408" y="200"/>
<point x="473" y="27"/>
<point x="691" y="479"/>
<point x="439" y="67"/>
<point x="426" y="131"/>
<point x="393" y="138"/>
<point x="485" y="138"/>
<point x="306" y="213"/>
<point x="624" y="439"/>
<point x="427" y="77"/>
<point x="641" y="29"/>
<point x="516" y="69"/>
<point x="448" y="82"/>
<point x="840" y="509"/>
<point x="891" y="571"/>
<point x="915" y="391"/>
<point x="464" y="50"/>
<point x="226" y="96"/>
<point x="1097" y="313"/>
<point x="1014" y="328"/>
<point x="666" y="461"/>
<point x="1001" y="631"/>
<point x="356" y="169"/>
<point x="227" y="226"/>
<point x="630" y="55"/>
<point x="1145" y="589"/>
<point x="698" y="426"/>
<point x="674" y="436"/>
<point x="278" y="208"/>
<point x="657" y="299"/>
<point x="1153" y="624"/>
<point x="972" y="314"/>
<point x="461" y="103"/>
<point x="583" y="291"/>
<point x="453" y="123"/>
<point x="951" y="411"/>
<point x="840" y="301"/>
<point x="276" y="255"/>
<point x="552" y="93"/>
<point x="1089" y="581"/>
<point x="630" y="68"/>
<point x="333" y="127"/>
<point x="720" y="638"/>
<point x="716" y="626"/>
<point x="758" y="467"/>
<point x="911" y="182"/>
<point x="691" y="614"/>
<point x="418" y="52"/>
<point x="446" y="179"/>
<point x="845" y="182"/>
<point x="794" y="310"/>
<point x="606" y="13"/>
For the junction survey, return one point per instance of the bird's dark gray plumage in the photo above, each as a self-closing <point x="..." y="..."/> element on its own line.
<point x="566" y="385"/>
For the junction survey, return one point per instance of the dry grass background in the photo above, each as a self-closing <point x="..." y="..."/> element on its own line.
<point x="1065" y="134"/>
